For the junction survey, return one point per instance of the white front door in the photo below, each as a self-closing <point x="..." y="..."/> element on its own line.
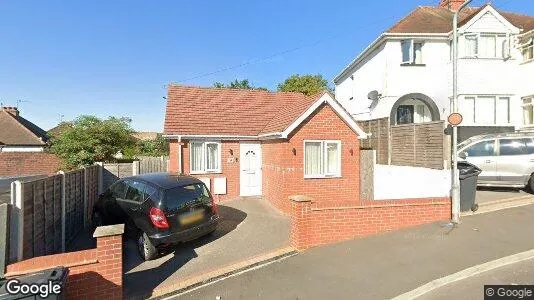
<point x="250" y="166"/>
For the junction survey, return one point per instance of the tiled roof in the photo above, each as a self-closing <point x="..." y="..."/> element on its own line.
<point x="18" y="131"/>
<point x="214" y="111"/>
<point x="431" y="19"/>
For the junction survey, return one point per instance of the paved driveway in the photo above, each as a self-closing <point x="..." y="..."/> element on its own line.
<point x="249" y="227"/>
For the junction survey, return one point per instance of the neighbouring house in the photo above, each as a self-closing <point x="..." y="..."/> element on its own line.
<point x="274" y="144"/>
<point x="19" y="134"/>
<point x="406" y="73"/>
<point x="22" y="147"/>
<point x="145" y="135"/>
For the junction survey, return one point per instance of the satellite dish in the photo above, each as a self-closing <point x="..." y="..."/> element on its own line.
<point x="373" y="95"/>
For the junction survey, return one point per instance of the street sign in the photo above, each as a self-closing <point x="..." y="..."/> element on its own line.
<point x="455" y="119"/>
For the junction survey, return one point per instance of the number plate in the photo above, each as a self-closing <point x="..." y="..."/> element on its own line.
<point x="191" y="217"/>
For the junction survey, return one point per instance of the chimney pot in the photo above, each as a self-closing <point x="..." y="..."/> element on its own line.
<point x="452" y="5"/>
<point x="11" y="110"/>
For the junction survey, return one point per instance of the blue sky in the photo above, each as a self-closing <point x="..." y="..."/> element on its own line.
<point x="114" y="57"/>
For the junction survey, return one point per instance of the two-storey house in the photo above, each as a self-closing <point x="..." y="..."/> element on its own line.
<point x="406" y="73"/>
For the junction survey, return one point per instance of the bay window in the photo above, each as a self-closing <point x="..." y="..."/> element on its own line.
<point x="485" y="110"/>
<point x="486" y="45"/>
<point x="527" y="50"/>
<point x="322" y="159"/>
<point x="205" y="157"/>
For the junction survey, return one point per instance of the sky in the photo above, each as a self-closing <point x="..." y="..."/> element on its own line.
<point x="63" y="59"/>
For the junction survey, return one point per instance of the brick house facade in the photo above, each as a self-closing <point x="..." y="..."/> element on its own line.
<point x="272" y="128"/>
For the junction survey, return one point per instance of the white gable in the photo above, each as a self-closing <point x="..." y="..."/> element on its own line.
<point x="489" y="20"/>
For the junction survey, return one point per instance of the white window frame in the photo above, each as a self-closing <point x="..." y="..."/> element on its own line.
<point x="204" y="169"/>
<point x="530" y="105"/>
<point x="411" y="60"/>
<point x="323" y="158"/>
<point x="505" y="51"/>
<point x="496" y="98"/>
<point x="528" y="47"/>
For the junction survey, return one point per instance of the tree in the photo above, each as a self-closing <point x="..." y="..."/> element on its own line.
<point x="157" y="147"/>
<point x="306" y="84"/>
<point x="238" y="84"/>
<point x="89" y="139"/>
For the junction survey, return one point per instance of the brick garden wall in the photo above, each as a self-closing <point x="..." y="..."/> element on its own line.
<point x="93" y="274"/>
<point x="28" y="163"/>
<point x="283" y="171"/>
<point x="317" y="223"/>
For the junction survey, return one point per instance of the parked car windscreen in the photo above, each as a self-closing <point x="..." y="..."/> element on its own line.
<point x="177" y="197"/>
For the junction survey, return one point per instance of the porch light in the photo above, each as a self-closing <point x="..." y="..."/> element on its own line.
<point x="294" y="151"/>
<point x="231" y="152"/>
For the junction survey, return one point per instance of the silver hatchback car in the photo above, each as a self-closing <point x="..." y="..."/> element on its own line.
<point x="506" y="159"/>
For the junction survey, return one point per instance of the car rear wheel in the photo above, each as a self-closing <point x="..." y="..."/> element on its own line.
<point x="147" y="250"/>
<point x="531" y="183"/>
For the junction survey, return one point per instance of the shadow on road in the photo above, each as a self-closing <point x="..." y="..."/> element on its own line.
<point x="154" y="272"/>
<point x="504" y="189"/>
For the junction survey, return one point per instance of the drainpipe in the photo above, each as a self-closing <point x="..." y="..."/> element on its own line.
<point x="455" y="175"/>
<point x="180" y="155"/>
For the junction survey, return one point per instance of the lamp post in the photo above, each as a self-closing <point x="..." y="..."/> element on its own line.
<point x="455" y="174"/>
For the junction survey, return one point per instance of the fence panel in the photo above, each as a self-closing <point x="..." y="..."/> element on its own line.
<point x="91" y="189"/>
<point x="115" y="171"/>
<point x="74" y="202"/>
<point x="379" y="138"/>
<point x="148" y="164"/>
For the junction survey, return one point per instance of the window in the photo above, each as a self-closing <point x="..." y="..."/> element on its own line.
<point x="322" y="159"/>
<point x="118" y="189"/>
<point x="486" y="110"/>
<point x="513" y="146"/>
<point x="528" y="112"/>
<point x="486" y="45"/>
<point x="205" y="157"/>
<point x="178" y="197"/>
<point x="527" y="50"/>
<point x="485" y="148"/>
<point x="405" y="114"/>
<point x="471" y="45"/>
<point x="150" y="193"/>
<point x="135" y="191"/>
<point x="412" y="52"/>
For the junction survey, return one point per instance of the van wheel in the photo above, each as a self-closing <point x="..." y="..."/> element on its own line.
<point x="146" y="248"/>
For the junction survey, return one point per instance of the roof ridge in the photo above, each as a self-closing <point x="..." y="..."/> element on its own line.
<point x="231" y="89"/>
<point x="24" y="127"/>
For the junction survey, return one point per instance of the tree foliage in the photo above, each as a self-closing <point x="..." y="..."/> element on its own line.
<point x="306" y="84"/>
<point x="89" y="139"/>
<point x="238" y="84"/>
<point x="156" y="147"/>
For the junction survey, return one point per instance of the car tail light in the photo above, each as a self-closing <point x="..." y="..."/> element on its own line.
<point x="158" y="218"/>
<point x="213" y="206"/>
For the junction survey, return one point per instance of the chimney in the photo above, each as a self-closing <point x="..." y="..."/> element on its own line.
<point x="12" y="110"/>
<point x="452" y="5"/>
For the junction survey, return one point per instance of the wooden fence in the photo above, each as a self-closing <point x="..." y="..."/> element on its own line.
<point x="417" y="145"/>
<point x="145" y="164"/>
<point x="54" y="210"/>
<point x="379" y="138"/>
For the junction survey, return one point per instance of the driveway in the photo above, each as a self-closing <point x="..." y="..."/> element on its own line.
<point x="249" y="227"/>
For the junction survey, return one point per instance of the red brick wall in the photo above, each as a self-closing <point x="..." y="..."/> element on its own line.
<point x="283" y="172"/>
<point x="316" y="223"/>
<point x="93" y="274"/>
<point x="229" y="166"/>
<point x="28" y="163"/>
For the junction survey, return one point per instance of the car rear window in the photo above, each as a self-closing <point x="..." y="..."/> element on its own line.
<point x="176" y="197"/>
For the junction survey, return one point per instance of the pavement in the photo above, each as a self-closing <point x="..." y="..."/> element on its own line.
<point x="249" y="228"/>
<point x="521" y="273"/>
<point x="382" y="266"/>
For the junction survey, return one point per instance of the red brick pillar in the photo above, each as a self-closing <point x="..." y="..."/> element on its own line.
<point x="300" y="235"/>
<point x="109" y="256"/>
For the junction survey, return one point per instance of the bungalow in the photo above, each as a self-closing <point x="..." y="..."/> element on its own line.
<point x="273" y="144"/>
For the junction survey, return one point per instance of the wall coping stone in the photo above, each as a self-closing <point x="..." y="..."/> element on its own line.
<point x="110" y="230"/>
<point x="300" y="198"/>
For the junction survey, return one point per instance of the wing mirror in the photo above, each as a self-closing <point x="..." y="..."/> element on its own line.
<point x="463" y="155"/>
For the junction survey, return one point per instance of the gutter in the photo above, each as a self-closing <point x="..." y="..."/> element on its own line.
<point x="226" y="137"/>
